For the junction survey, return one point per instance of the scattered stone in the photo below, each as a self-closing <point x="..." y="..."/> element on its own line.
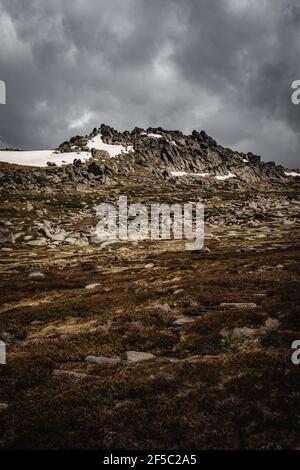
<point x="178" y="291"/>
<point x="7" y="337"/>
<point x="37" y="242"/>
<point x="92" y="286"/>
<point x="59" y="237"/>
<point x="102" y="360"/>
<point x="81" y="242"/>
<point x="36" y="275"/>
<point x="18" y="235"/>
<point x="247" y="249"/>
<point x="138" y="356"/>
<point x="149" y="265"/>
<point x="272" y="324"/>
<point x="238" y="305"/>
<point x="164" y="307"/>
<point x="108" y="243"/>
<point x="71" y="241"/>
<point x="243" y="332"/>
<point x="7" y="250"/>
<point x="183" y="320"/>
<point x="7" y="238"/>
<point x="69" y="373"/>
<point x="3" y="407"/>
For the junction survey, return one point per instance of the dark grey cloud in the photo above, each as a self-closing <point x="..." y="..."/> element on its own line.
<point x="222" y="65"/>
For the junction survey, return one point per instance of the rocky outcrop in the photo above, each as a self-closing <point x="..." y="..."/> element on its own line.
<point x="154" y="153"/>
<point x="162" y="152"/>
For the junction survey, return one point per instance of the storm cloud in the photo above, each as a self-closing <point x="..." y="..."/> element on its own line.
<point x="225" y="66"/>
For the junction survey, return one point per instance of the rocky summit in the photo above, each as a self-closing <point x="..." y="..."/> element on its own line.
<point x="106" y="156"/>
<point x="144" y="344"/>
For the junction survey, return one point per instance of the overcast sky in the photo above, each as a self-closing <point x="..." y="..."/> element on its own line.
<point x="225" y="66"/>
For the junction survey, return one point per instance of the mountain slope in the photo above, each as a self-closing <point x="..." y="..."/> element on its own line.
<point x="106" y="155"/>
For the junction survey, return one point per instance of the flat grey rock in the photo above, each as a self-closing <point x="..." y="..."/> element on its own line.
<point x="183" y="320"/>
<point x="38" y="242"/>
<point x="69" y="373"/>
<point x="36" y="275"/>
<point x="102" y="360"/>
<point x="243" y="332"/>
<point x="238" y="304"/>
<point x="137" y="356"/>
<point x="92" y="286"/>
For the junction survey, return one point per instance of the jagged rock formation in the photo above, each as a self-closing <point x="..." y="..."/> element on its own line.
<point x="162" y="152"/>
<point x="152" y="153"/>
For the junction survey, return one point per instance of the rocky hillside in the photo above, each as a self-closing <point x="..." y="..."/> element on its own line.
<point x="116" y="335"/>
<point x="168" y="152"/>
<point x="106" y="156"/>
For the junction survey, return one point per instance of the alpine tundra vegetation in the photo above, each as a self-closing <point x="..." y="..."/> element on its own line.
<point x="143" y="344"/>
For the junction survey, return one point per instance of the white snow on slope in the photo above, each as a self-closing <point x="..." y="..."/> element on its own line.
<point x="203" y="175"/>
<point x="113" y="150"/>
<point x="41" y="157"/>
<point x="291" y="173"/>
<point x="178" y="173"/>
<point x="184" y="173"/>
<point x="155" y="136"/>
<point x="225" y="177"/>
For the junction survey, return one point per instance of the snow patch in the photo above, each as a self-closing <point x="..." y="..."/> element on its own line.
<point x="155" y="136"/>
<point x="113" y="150"/>
<point x="291" y="173"/>
<point x="204" y="175"/>
<point x="151" y="135"/>
<point x="225" y="177"/>
<point x="183" y="173"/>
<point x="41" y="157"/>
